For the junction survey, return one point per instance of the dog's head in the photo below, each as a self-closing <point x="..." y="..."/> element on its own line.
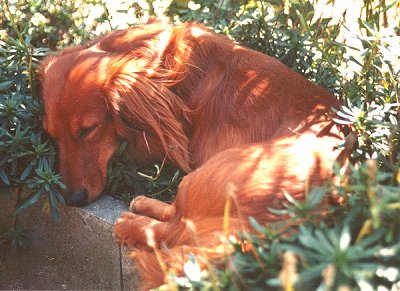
<point x="112" y="89"/>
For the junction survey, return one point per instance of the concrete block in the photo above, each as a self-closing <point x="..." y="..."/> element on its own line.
<point x="79" y="253"/>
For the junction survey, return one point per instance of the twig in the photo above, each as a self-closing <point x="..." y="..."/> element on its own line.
<point x="25" y="46"/>
<point x="316" y="44"/>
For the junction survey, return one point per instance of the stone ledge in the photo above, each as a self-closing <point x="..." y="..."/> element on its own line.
<point x="79" y="253"/>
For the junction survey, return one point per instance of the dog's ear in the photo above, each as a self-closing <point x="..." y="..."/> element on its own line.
<point x="142" y="102"/>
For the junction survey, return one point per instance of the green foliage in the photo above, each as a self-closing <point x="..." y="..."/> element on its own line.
<point x="358" y="246"/>
<point x="26" y="155"/>
<point x="124" y="177"/>
<point x="26" y="159"/>
<point x="58" y="23"/>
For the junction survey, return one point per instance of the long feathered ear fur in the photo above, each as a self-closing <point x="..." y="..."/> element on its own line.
<point x="140" y="99"/>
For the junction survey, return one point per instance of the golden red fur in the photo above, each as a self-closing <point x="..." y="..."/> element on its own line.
<point x="243" y="125"/>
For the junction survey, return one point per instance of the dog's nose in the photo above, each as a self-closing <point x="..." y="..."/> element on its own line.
<point x="77" y="198"/>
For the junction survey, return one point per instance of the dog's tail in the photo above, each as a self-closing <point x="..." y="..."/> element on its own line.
<point x="149" y="269"/>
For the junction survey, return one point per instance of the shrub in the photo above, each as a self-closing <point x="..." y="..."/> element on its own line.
<point x="27" y="156"/>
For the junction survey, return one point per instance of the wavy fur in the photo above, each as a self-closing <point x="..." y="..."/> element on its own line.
<point x="244" y="126"/>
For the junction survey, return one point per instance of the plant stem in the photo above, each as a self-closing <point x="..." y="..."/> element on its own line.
<point x="264" y="26"/>
<point x="217" y="12"/>
<point x="108" y="15"/>
<point x="316" y="44"/>
<point x="19" y="193"/>
<point x="14" y="25"/>
<point x="26" y="49"/>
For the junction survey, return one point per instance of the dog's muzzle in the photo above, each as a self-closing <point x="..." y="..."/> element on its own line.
<point x="77" y="198"/>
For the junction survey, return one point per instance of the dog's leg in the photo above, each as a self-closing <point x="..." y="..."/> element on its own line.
<point x="152" y="208"/>
<point x="145" y="233"/>
<point x="134" y="230"/>
<point x="231" y="186"/>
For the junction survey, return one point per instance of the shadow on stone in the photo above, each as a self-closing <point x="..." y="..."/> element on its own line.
<point x="79" y="253"/>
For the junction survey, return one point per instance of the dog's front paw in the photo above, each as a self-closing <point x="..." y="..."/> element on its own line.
<point x="125" y="230"/>
<point x="152" y="208"/>
<point x="132" y="230"/>
<point x="136" y="203"/>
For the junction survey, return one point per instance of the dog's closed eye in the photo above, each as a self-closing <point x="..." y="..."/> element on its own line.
<point x="86" y="131"/>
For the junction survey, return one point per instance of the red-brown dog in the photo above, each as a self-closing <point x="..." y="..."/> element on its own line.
<point x="250" y="128"/>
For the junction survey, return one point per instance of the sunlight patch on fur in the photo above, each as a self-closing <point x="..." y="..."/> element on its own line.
<point x="164" y="38"/>
<point x="197" y="32"/>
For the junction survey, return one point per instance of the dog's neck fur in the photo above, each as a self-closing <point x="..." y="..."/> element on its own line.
<point x="185" y="54"/>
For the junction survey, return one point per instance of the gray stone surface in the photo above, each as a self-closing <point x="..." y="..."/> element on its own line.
<point x="129" y="277"/>
<point x="79" y="253"/>
<point x="106" y="208"/>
